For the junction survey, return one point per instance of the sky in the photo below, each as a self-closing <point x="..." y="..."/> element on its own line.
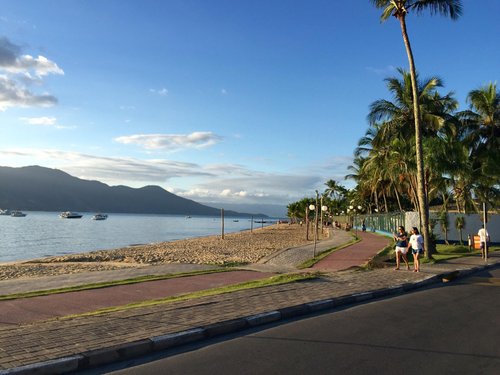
<point x="225" y="102"/>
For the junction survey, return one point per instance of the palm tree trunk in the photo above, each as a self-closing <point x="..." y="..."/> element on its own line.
<point x="421" y="195"/>
<point x="397" y="197"/>
<point x="376" y="199"/>
<point x="413" y="192"/>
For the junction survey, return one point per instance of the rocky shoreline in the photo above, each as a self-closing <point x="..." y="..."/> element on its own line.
<point x="241" y="247"/>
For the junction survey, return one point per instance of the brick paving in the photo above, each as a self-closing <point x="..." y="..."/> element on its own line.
<point x="69" y="344"/>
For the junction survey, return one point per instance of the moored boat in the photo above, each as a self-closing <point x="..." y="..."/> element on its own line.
<point x="17" y="213"/>
<point x="100" y="217"/>
<point x="70" y="215"/>
<point x="5" y="212"/>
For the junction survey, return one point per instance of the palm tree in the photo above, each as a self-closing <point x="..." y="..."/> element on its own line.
<point x="399" y="9"/>
<point x="460" y="225"/>
<point x="483" y="120"/>
<point x="388" y="142"/>
<point x="334" y="190"/>
<point x="445" y="224"/>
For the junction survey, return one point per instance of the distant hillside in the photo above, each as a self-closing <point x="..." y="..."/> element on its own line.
<point x="37" y="188"/>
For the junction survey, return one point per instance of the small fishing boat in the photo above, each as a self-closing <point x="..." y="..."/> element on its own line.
<point x="70" y="215"/>
<point x="5" y="212"/>
<point x="17" y="213"/>
<point x="100" y="217"/>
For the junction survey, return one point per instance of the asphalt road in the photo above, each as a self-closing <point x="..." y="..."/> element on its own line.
<point x="452" y="328"/>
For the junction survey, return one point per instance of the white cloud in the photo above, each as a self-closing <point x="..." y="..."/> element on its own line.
<point x="46" y="121"/>
<point x="228" y="183"/>
<point x="382" y="71"/>
<point x="14" y="94"/>
<point x="162" y="92"/>
<point x="118" y="170"/>
<point x="170" y="142"/>
<point x="40" y="65"/>
<point x="225" y="192"/>
<point x="17" y="71"/>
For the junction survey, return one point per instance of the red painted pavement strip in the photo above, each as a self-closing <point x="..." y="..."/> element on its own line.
<point x="29" y="310"/>
<point x="354" y="255"/>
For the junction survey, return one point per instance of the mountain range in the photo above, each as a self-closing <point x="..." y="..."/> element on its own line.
<point x="36" y="188"/>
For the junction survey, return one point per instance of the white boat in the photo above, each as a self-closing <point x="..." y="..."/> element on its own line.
<point x="17" y="213"/>
<point x="100" y="217"/>
<point x="5" y="212"/>
<point x="70" y="215"/>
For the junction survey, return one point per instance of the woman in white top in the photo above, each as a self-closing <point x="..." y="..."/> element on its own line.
<point x="416" y="243"/>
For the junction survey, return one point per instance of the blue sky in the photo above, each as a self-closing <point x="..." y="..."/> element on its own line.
<point x="224" y="102"/>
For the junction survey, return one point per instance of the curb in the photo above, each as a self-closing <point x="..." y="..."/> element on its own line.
<point x="99" y="357"/>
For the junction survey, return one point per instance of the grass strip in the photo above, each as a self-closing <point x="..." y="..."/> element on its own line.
<point x="274" y="280"/>
<point x="446" y="252"/>
<point x="311" y="262"/>
<point x="443" y="253"/>
<point x="107" y="284"/>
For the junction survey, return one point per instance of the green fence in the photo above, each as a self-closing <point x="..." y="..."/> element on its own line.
<point x="387" y="223"/>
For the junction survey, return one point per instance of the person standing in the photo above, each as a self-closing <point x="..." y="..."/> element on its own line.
<point x="417" y="248"/>
<point x="484" y="237"/>
<point x="401" y="247"/>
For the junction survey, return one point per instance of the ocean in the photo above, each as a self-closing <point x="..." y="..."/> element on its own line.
<point x="42" y="234"/>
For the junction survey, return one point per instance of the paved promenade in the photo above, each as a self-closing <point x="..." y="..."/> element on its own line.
<point x="45" y="345"/>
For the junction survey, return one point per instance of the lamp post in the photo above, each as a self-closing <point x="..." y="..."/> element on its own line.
<point x="307" y="223"/>
<point x="312" y="207"/>
<point x="323" y="209"/>
<point x="352" y="209"/>
<point x="321" y="214"/>
<point x="359" y="210"/>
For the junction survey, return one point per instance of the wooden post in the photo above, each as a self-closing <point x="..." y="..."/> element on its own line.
<point x="222" y="222"/>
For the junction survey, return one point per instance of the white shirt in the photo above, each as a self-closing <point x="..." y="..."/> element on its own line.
<point x="417" y="241"/>
<point x="483" y="235"/>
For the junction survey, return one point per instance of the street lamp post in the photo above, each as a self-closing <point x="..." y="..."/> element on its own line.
<point x="312" y="207"/>
<point x="352" y="209"/>
<point x="307" y="223"/>
<point x="316" y="221"/>
<point x="359" y="210"/>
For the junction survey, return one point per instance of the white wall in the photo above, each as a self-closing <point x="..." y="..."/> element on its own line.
<point x="473" y="223"/>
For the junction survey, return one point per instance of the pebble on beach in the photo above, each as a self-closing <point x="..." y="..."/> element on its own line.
<point x="240" y="247"/>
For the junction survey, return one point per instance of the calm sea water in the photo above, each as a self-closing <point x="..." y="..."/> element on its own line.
<point x="42" y="234"/>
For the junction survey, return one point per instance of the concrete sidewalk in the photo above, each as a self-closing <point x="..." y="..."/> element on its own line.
<point x="66" y="345"/>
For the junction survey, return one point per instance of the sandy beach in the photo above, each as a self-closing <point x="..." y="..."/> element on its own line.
<point x="241" y="247"/>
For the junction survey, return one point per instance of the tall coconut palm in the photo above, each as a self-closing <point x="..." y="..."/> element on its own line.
<point x="334" y="190"/>
<point x="484" y="124"/>
<point x="399" y="9"/>
<point x="460" y="225"/>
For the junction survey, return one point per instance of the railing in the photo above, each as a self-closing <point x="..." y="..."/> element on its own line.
<point x="383" y="223"/>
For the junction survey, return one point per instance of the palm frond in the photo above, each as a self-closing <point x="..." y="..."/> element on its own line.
<point x="451" y="8"/>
